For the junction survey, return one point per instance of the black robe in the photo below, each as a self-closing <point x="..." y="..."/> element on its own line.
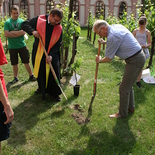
<point x="52" y="88"/>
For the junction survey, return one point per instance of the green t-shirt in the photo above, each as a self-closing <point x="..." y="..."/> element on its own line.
<point x="14" y="25"/>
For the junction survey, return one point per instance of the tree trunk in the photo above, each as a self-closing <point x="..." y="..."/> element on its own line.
<point x="90" y="29"/>
<point x="143" y="7"/>
<point x="67" y="48"/>
<point x="94" y="38"/>
<point x="66" y="57"/>
<point x="74" y="50"/>
<point x="88" y="33"/>
<point x="61" y="55"/>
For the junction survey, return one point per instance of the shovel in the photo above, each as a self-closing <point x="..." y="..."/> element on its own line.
<point x="95" y="82"/>
<point x="52" y="70"/>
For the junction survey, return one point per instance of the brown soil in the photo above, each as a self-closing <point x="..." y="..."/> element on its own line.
<point x="79" y="118"/>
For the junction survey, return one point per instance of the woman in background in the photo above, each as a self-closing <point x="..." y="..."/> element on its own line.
<point x="143" y="36"/>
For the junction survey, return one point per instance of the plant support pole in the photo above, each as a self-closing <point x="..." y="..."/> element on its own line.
<point x="52" y="70"/>
<point x="95" y="81"/>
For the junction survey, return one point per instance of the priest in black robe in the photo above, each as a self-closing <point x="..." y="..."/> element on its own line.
<point x="49" y="29"/>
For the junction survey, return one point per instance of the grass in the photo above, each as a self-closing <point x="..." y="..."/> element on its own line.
<point x="44" y="128"/>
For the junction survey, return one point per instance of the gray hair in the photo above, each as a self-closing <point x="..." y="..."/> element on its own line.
<point x="98" y="24"/>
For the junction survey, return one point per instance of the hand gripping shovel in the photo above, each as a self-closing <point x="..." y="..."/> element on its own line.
<point x="52" y="70"/>
<point x="95" y="82"/>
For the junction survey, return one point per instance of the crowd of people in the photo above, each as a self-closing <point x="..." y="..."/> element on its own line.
<point x="133" y="48"/>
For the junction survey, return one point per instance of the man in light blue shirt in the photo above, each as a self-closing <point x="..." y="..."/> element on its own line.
<point x="121" y="42"/>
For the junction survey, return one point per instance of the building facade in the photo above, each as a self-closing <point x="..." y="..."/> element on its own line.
<point x="82" y="7"/>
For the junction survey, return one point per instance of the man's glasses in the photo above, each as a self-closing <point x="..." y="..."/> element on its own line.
<point x="99" y="31"/>
<point x="56" y="21"/>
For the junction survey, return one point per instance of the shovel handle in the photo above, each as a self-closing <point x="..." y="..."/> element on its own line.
<point x="96" y="71"/>
<point x="52" y="70"/>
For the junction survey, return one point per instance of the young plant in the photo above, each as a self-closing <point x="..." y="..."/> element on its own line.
<point x="75" y="66"/>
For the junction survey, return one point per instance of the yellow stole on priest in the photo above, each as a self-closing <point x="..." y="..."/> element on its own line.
<point x="41" y="28"/>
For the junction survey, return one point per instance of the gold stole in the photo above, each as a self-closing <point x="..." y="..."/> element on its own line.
<point x="41" y="28"/>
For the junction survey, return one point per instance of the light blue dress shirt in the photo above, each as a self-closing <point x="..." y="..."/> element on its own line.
<point x="120" y="42"/>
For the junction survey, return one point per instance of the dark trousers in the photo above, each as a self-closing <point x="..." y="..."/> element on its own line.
<point x="133" y="67"/>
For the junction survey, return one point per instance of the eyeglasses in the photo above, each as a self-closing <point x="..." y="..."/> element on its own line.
<point x="99" y="31"/>
<point x="56" y="21"/>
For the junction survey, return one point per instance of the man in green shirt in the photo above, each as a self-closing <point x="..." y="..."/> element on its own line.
<point x="16" y="44"/>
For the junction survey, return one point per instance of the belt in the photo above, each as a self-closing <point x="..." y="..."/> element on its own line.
<point x="133" y="55"/>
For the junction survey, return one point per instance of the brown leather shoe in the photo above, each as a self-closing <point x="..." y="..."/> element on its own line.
<point x="117" y="115"/>
<point x="131" y="111"/>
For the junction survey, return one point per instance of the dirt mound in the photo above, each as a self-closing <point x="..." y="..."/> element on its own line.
<point x="79" y="118"/>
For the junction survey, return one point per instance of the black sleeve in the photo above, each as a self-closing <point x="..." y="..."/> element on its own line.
<point x="29" y="25"/>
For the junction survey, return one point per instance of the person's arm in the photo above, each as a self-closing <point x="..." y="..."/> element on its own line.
<point x="13" y="34"/>
<point x="99" y="59"/>
<point x="7" y="108"/>
<point x="134" y="32"/>
<point x="29" y="26"/>
<point x="148" y="34"/>
<point x="101" y="41"/>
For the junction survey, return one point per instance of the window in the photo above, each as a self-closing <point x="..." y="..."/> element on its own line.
<point x="49" y="6"/>
<point x="122" y="8"/>
<point x="24" y="7"/>
<point x="76" y="9"/>
<point x="99" y="9"/>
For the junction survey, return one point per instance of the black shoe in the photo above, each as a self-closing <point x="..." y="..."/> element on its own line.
<point x="138" y="84"/>
<point x="13" y="81"/>
<point x="38" y="91"/>
<point x="56" y="98"/>
<point x="32" y="78"/>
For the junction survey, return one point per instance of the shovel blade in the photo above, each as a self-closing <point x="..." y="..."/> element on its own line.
<point x="91" y="102"/>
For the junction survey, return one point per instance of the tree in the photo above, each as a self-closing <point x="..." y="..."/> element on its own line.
<point x="70" y="28"/>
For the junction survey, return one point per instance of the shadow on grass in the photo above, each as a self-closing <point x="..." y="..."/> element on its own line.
<point x="120" y="141"/>
<point x="17" y="85"/>
<point x="61" y="110"/>
<point x="26" y="116"/>
<point x="141" y="94"/>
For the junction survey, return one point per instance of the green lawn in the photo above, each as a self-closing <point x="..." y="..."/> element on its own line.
<point x="45" y="128"/>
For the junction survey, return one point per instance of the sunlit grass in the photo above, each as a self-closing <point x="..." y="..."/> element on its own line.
<point x="45" y="128"/>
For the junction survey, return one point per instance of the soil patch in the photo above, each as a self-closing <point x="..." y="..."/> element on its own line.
<point x="78" y="117"/>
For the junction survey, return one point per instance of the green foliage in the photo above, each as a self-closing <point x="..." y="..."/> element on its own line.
<point x="22" y="15"/>
<point x="150" y="15"/>
<point x="100" y="14"/>
<point x="2" y="21"/>
<point x="112" y="19"/>
<point x="90" y="20"/>
<point x="128" y="21"/>
<point x="76" y="65"/>
<point x="70" y="26"/>
<point x="48" y="128"/>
